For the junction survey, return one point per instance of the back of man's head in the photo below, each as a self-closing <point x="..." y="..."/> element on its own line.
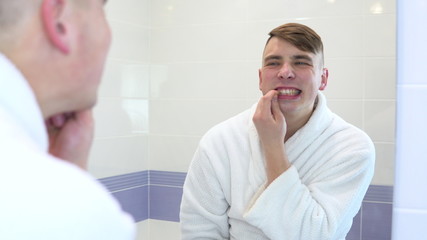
<point x="59" y="46"/>
<point x="13" y="13"/>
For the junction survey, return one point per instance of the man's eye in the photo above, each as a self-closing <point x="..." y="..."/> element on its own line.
<point x="272" y="64"/>
<point x="301" y="63"/>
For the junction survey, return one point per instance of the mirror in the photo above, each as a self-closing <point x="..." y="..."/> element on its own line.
<point x="177" y="68"/>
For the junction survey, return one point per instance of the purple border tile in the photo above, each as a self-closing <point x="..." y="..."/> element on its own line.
<point x="376" y="221"/>
<point x="354" y="233"/>
<point x="129" y="180"/>
<point x="135" y="202"/>
<point x="165" y="203"/>
<point x="167" y="178"/>
<point x="378" y="193"/>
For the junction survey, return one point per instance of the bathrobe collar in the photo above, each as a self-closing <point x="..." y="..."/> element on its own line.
<point x="20" y="103"/>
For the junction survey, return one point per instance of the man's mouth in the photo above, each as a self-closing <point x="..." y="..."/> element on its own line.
<point x="288" y="91"/>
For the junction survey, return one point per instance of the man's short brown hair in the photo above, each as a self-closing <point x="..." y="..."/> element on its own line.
<point x="301" y="36"/>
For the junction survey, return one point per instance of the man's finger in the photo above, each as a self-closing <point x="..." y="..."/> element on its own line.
<point x="275" y="108"/>
<point x="264" y="105"/>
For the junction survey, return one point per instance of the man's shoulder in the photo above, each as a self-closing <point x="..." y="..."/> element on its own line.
<point x="345" y="128"/>
<point x="348" y="136"/>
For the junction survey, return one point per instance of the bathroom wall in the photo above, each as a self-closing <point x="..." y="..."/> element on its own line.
<point x="176" y="68"/>
<point x="121" y="146"/>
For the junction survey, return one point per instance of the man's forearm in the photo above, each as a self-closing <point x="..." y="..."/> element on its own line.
<point x="276" y="162"/>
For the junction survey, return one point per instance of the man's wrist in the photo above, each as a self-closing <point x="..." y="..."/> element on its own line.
<point x="276" y="162"/>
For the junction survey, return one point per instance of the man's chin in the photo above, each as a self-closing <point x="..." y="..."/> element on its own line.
<point x="86" y="105"/>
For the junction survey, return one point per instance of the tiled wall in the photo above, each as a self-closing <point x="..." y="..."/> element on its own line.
<point x="121" y="143"/>
<point x="176" y="68"/>
<point x="121" y="115"/>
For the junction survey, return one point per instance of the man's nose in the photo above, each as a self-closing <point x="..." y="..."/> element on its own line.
<point x="286" y="72"/>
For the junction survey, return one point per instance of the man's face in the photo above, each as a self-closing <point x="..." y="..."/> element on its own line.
<point x="92" y="43"/>
<point x="297" y="76"/>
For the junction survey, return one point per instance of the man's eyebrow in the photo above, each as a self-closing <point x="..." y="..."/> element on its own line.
<point x="273" y="57"/>
<point x="303" y="57"/>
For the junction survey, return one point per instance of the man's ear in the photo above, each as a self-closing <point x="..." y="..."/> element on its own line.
<point x="52" y="13"/>
<point x="324" y="81"/>
<point x="260" y="79"/>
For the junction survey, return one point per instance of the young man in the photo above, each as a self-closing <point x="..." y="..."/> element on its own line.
<point x="52" y="54"/>
<point x="288" y="168"/>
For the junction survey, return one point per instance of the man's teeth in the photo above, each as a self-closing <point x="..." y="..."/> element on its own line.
<point x="289" y="92"/>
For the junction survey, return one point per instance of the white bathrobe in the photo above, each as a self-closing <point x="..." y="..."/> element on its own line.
<point x="225" y="196"/>
<point x="43" y="197"/>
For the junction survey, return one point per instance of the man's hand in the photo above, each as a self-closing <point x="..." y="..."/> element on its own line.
<point x="70" y="136"/>
<point x="271" y="127"/>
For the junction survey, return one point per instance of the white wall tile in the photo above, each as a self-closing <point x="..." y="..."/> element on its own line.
<point x="112" y="80"/>
<point x="120" y="155"/>
<point x="130" y="42"/>
<point x="380" y="78"/>
<point x="256" y="38"/>
<point x="380" y="35"/>
<point x="143" y="230"/>
<point x="172" y="153"/>
<point x="377" y="7"/>
<point x="190" y="117"/>
<point x="125" y="79"/>
<point x="380" y="119"/>
<point x="157" y="230"/>
<point x="345" y="78"/>
<point x="213" y="80"/>
<point x="279" y="9"/>
<point x="341" y="36"/>
<point x="187" y="12"/>
<point x="121" y="117"/>
<point x="350" y="110"/>
<point x="219" y="42"/>
<point x="384" y="164"/>
<point x="131" y="11"/>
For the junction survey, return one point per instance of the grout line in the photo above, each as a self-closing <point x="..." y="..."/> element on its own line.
<point x="149" y="196"/>
<point x="381" y="202"/>
<point x="162" y="185"/>
<point x="125" y="189"/>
